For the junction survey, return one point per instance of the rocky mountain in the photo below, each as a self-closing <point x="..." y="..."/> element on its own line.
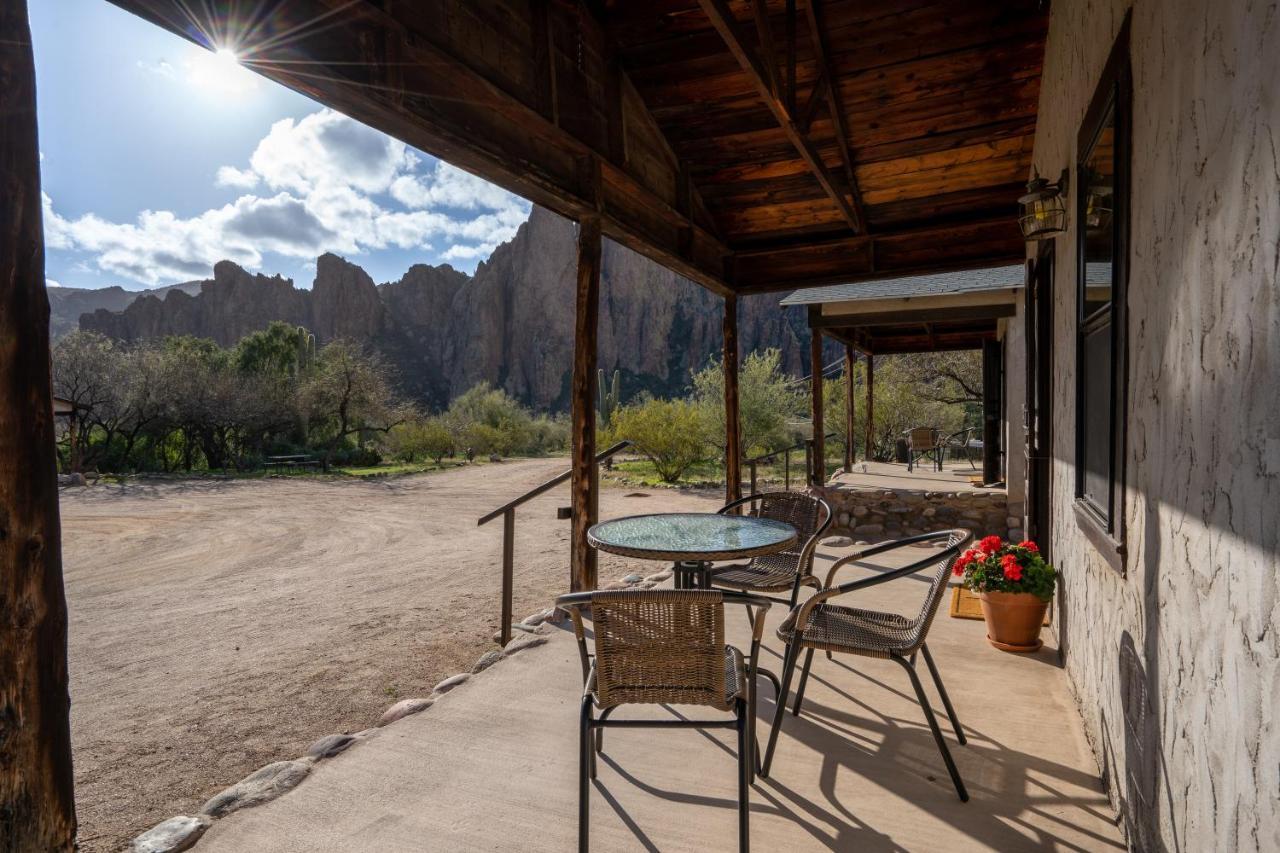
<point x="511" y="323"/>
<point x="66" y="304"/>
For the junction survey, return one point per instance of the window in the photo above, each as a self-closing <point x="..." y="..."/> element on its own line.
<point x="1101" y="226"/>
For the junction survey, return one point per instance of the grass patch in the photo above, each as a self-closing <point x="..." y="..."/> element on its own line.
<point x="709" y="474"/>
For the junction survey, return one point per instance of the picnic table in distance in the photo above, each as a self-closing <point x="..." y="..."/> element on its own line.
<point x="296" y="462"/>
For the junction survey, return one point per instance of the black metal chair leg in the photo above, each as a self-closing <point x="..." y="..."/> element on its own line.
<point x="604" y="715"/>
<point x="745" y="767"/>
<point x="788" y="669"/>
<point x="795" y="592"/>
<point x="937" y="732"/>
<point x="585" y="756"/>
<point x="804" y="679"/>
<point x="942" y="691"/>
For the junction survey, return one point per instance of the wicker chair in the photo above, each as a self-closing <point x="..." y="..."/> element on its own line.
<point x="664" y="646"/>
<point x="818" y="624"/>
<point x="786" y="570"/>
<point x="922" y="443"/>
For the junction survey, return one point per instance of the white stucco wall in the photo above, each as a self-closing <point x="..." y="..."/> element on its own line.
<point x="1015" y="395"/>
<point x="1194" y="763"/>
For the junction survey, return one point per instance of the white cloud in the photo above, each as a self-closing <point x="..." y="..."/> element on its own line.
<point x="336" y="185"/>
<point x="49" y="282"/>
<point x="242" y="179"/>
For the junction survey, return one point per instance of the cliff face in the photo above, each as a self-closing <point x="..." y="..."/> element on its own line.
<point x="66" y="304"/>
<point x="510" y="324"/>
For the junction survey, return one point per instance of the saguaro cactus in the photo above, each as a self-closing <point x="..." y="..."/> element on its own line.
<point x="607" y="399"/>
<point x="305" y="346"/>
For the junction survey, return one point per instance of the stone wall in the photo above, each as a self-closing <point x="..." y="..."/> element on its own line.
<point x="894" y="513"/>
<point x="1175" y="662"/>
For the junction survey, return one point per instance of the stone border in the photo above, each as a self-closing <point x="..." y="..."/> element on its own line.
<point x="272" y="781"/>
<point x="878" y="513"/>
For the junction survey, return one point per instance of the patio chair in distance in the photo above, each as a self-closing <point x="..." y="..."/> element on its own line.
<point x="821" y="624"/>
<point x="664" y="647"/>
<point x="924" y="443"/>
<point x="786" y="570"/>
<point x="960" y="441"/>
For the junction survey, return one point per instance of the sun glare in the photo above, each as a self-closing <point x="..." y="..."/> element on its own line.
<point x="220" y="72"/>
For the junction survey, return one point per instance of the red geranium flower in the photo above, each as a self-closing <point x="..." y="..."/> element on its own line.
<point x="962" y="562"/>
<point x="1030" y="546"/>
<point x="990" y="544"/>
<point x="1012" y="571"/>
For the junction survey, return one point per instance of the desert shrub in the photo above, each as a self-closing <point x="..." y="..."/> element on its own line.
<point x="420" y="438"/>
<point x="669" y="433"/>
<point x="767" y="400"/>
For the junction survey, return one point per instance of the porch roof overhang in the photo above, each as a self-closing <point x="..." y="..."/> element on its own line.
<point x="925" y="313"/>
<point x="750" y="146"/>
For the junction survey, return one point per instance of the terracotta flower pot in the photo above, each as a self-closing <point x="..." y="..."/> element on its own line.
<point x="1013" y="620"/>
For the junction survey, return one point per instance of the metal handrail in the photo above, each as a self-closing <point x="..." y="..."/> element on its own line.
<point x="508" y="513"/>
<point x="806" y="446"/>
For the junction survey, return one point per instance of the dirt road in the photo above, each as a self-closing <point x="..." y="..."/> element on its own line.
<point x="218" y="626"/>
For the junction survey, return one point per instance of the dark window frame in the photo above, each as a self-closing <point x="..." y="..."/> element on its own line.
<point x="1113" y="97"/>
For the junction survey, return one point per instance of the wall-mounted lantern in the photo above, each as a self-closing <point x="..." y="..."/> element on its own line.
<point x="1042" y="211"/>
<point x="1098" y="206"/>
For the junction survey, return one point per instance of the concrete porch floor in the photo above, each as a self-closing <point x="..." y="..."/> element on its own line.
<point x="493" y="765"/>
<point x="954" y="477"/>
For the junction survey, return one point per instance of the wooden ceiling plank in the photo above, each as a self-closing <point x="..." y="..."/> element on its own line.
<point x="724" y="22"/>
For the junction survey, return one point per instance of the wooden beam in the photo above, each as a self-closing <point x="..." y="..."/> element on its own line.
<point x="818" y="474"/>
<point x="848" y="409"/>
<point x="452" y="101"/>
<point x="726" y="25"/>
<point x="869" y="452"/>
<point x="916" y="316"/>
<point x="768" y="53"/>
<point x="818" y="37"/>
<point x="795" y="263"/>
<point x="584" y="482"/>
<point x="816" y="96"/>
<point x="732" y="417"/>
<point x="37" y="804"/>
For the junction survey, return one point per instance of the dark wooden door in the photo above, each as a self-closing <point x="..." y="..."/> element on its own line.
<point x="1038" y="412"/>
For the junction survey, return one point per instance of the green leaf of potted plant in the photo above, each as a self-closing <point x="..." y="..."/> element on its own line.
<point x="1014" y="585"/>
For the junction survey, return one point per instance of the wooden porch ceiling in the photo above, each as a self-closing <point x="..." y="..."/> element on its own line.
<point x="751" y="145"/>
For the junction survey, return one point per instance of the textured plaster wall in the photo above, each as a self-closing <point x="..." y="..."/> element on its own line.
<point x="1174" y="664"/>
<point x="1015" y="394"/>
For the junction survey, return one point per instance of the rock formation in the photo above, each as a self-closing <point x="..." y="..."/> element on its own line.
<point x="511" y="323"/>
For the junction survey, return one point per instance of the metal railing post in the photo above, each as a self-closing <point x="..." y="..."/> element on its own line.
<point x="786" y="469"/>
<point x="808" y="461"/>
<point x="508" y="562"/>
<point x="752" y="465"/>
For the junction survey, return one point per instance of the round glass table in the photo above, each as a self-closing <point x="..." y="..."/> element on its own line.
<point x="692" y="540"/>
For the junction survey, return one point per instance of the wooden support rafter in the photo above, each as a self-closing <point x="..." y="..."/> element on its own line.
<point x="819" y="45"/>
<point x="848" y="409"/>
<point x="818" y="475"/>
<point x="762" y="74"/>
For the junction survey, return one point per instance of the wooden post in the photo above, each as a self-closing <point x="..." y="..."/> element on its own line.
<point x="583" y="484"/>
<point x="37" y="806"/>
<point x="992" y="352"/>
<point x="871" y="411"/>
<point x="508" y="573"/>
<point x="848" y="409"/>
<point x="732" y="428"/>
<point x="818" y="473"/>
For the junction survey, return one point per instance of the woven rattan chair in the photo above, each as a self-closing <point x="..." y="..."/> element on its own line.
<point x="820" y="624"/>
<point x="924" y="443"/>
<point x="787" y="570"/>
<point x="664" y="647"/>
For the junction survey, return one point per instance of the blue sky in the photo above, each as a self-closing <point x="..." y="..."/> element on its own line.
<point x="160" y="158"/>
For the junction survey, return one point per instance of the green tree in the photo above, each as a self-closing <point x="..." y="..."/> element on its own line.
<point x="767" y="402"/>
<point x="280" y="350"/>
<point x="427" y="437"/>
<point x="348" y="393"/>
<point x="669" y="433"/>
<point x="489" y="420"/>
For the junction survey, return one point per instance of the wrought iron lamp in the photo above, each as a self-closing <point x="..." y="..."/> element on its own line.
<point x="1042" y="211"/>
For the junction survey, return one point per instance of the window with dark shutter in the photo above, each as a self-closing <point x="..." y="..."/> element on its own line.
<point x="1101" y="218"/>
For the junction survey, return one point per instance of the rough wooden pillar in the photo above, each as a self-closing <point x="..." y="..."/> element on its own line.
<point x="732" y="425"/>
<point x="871" y="427"/>
<point x="848" y="409"/>
<point x="37" y="807"/>
<point x="584" y="482"/>
<point x="818" y="471"/>
<point x="992" y="375"/>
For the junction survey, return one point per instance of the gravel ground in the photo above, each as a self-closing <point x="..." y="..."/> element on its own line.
<point x="217" y="626"/>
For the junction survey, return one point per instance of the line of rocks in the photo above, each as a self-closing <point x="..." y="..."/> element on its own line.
<point x="894" y="513"/>
<point x="270" y="782"/>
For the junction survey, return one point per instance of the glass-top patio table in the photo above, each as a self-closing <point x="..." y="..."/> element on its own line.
<point x="692" y="540"/>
